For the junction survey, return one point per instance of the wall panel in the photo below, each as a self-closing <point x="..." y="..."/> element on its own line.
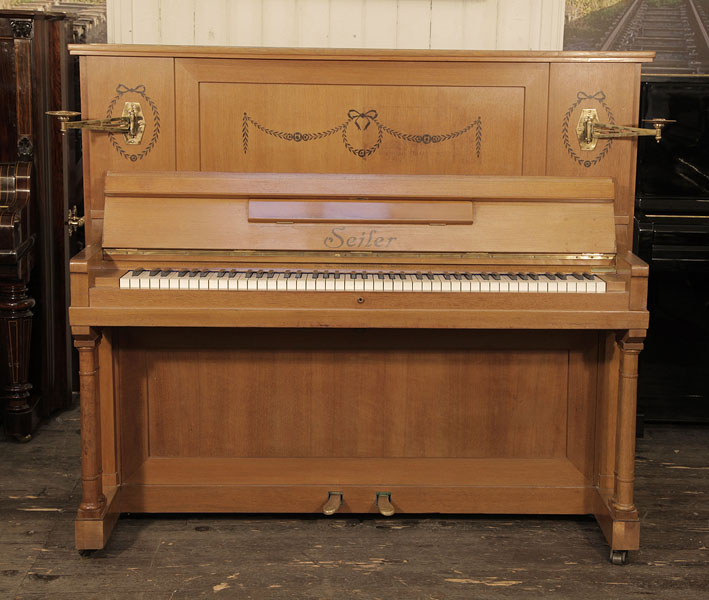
<point x="435" y="24"/>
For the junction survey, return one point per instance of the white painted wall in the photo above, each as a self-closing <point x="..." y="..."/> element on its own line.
<point x="436" y="24"/>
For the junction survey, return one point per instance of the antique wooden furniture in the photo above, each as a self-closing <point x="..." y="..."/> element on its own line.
<point x="17" y="240"/>
<point x="422" y="361"/>
<point x="37" y="75"/>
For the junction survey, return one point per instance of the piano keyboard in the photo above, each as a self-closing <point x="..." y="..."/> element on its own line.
<point x="269" y="280"/>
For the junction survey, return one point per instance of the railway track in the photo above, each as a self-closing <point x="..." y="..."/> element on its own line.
<point x="677" y="32"/>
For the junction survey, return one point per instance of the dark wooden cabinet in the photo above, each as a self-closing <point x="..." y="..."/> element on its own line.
<point x="38" y="75"/>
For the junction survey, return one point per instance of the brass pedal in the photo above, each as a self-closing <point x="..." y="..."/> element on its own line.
<point x="386" y="508"/>
<point x="334" y="501"/>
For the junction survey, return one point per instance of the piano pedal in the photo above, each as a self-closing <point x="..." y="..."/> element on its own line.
<point x="334" y="501"/>
<point x="386" y="508"/>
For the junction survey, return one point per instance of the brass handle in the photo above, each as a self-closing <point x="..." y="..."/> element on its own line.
<point x="73" y="222"/>
<point x="589" y="129"/>
<point x="131" y="123"/>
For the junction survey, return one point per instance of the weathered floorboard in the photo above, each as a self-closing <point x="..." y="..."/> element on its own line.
<point x="283" y="557"/>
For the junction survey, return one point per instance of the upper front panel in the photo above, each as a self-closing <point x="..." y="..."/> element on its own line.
<point x="350" y="117"/>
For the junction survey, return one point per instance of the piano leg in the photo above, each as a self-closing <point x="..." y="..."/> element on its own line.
<point x="19" y="408"/>
<point x="95" y="519"/>
<point x="617" y="514"/>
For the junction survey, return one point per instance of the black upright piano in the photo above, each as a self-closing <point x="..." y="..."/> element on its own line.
<point x="672" y="235"/>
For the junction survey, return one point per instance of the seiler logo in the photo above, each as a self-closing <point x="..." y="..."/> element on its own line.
<point x="339" y="238"/>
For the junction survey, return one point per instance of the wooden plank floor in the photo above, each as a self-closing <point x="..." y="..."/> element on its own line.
<point x="284" y="557"/>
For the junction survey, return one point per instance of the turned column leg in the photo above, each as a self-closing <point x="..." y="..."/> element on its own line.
<point x="630" y="346"/>
<point x="93" y="501"/>
<point x="15" y="329"/>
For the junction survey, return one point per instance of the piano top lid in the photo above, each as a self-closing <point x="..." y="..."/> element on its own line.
<point x="146" y="50"/>
<point x="265" y="212"/>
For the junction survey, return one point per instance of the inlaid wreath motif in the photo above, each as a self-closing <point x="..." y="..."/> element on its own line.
<point x="599" y="97"/>
<point x="122" y="89"/>
<point x="362" y="121"/>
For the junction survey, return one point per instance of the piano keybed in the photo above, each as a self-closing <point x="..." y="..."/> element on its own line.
<point x="298" y="280"/>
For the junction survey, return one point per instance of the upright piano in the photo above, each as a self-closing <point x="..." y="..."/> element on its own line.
<point x="357" y="282"/>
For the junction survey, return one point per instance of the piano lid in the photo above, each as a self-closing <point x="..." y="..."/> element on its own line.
<point x="178" y="211"/>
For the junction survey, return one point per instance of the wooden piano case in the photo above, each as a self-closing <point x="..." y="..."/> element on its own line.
<point x="517" y="406"/>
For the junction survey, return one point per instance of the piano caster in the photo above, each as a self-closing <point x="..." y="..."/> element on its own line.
<point x="619" y="557"/>
<point x="386" y="508"/>
<point x="334" y="501"/>
<point x="85" y="553"/>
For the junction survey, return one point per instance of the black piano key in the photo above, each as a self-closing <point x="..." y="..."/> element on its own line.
<point x="533" y="276"/>
<point x="429" y="276"/>
<point x="380" y="275"/>
<point x="588" y="276"/>
<point x="182" y="273"/>
<point x="468" y="276"/>
<point x="512" y="276"/>
<point x="232" y="274"/>
<point x="165" y="273"/>
<point x="288" y="275"/>
<point x="260" y="275"/>
<point x="270" y="274"/>
<point x="446" y="276"/>
<point x="137" y="272"/>
<point x="154" y="272"/>
<point x="522" y="276"/>
<point x="549" y="276"/>
<point x="457" y="276"/>
<point x="577" y="276"/>
<point x="485" y="276"/>
<point x="336" y="275"/>
<point x="221" y="274"/>
<point x="419" y="276"/>
<point x="204" y="273"/>
<point x="250" y="274"/>
<point x="560" y="276"/>
<point x="364" y="275"/>
<point x="299" y="275"/>
<point x="194" y="273"/>
<point x="390" y="275"/>
<point x="495" y="276"/>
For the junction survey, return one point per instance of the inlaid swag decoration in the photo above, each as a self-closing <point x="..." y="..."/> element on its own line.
<point x="362" y="121"/>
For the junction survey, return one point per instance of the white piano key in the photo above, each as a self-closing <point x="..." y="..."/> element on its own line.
<point x="212" y="281"/>
<point x="416" y="284"/>
<point x="407" y="283"/>
<point x="436" y="283"/>
<point x="281" y="282"/>
<point x="523" y="285"/>
<point x="590" y="286"/>
<point x="600" y="284"/>
<point x="301" y="282"/>
<point x="319" y="283"/>
<point x="397" y="284"/>
<point x="183" y="282"/>
<point x="445" y="284"/>
<point x="369" y="283"/>
<point x="359" y="284"/>
<point x="223" y="281"/>
<point x="552" y="284"/>
<point x="340" y="283"/>
<point x="144" y="280"/>
<point x="251" y="282"/>
<point x="455" y="284"/>
<point x="154" y="281"/>
<point x="242" y="282"/>
<point x="272" y="283"/>
<point x="512" y="285"/>
<point x="310" y="283"/>
<point x="169" y="282"/>
<point x="124" y="281"/>
<point x="330" y="283"/>
<point x="388" y="284"/>
<point x="378" y="284"/>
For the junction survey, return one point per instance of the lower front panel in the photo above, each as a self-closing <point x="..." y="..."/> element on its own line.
<point x="259" y="420"/>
